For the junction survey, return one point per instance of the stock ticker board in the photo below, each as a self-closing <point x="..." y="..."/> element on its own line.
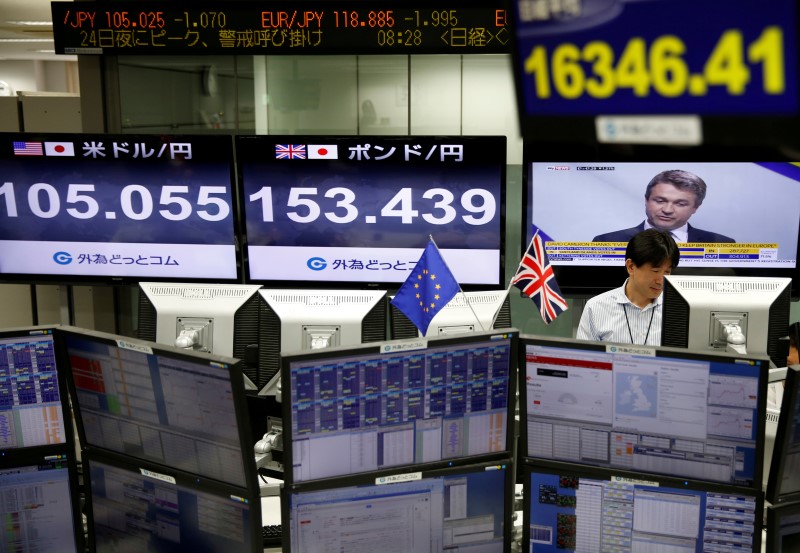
<point x="282" y="27"/>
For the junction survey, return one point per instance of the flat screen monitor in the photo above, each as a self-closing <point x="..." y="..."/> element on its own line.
<point x="454" y="509"/>
<point x="292" y="320"/>
<point x="739" y="229"/>
<point x="570" y="509"/>
<point x="420" y="402"/>
<point x="359" y="210"/>
<point x="143" y="507"/>
<point x="214" y="318"/>
<point x="718" y="313"/>
<point x="784" y="474"/>
<point x="40" y="507"/>
<point x="783" y="528"/>
<point x="117" y="208"/>
<point x="178" y="408"/>
<point x="466" y="312"/>
<point x="32" y="393"/>
<point x="661" y="411"/>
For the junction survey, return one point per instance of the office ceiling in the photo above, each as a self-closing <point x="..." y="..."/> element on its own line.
<point x="30" y="42"/>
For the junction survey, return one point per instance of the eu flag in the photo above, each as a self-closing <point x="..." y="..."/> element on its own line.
<point x="428" y="288"/>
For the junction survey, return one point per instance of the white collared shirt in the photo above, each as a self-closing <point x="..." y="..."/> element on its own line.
<point x="679" y="234"/>
<point x="604" y="319"/>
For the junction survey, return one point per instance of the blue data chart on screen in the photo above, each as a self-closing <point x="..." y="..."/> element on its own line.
<point x="591" y="57"/>
<point x="684" y="418"/>
<point x="30" y="402"/>
<point x="175" y="412"/>
<point x="141" y="207"/>
<point x="368" y="412"/>
<point x="575" y="513"/>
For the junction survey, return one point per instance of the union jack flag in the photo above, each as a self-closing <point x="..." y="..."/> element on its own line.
<point x="290" y="151"/>
<point x="536" y="280"/>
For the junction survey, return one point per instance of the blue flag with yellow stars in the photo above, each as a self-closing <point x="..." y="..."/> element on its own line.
<point x="428" y="288"/>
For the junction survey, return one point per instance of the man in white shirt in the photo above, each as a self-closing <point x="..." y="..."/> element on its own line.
<point x="631" y="314"/>
<point x="670" y="199"/>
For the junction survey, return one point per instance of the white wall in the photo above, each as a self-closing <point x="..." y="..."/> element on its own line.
<point x="40" y="75"/>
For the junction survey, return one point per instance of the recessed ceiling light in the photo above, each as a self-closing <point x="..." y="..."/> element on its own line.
<point x="31" y="23"/>
<point x="26" y="40"/>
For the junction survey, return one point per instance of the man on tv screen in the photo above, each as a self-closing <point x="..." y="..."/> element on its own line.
<point x="671" y="198"/>
<point x="632" y="313"/>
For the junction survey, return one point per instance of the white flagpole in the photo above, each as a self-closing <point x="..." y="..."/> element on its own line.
<point x="459" y="285"/>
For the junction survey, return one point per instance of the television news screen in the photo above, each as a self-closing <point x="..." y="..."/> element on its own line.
<point x="662" y="411"/>
<point x="117" y="208"/>
<point x="135" y="506"/>
<point x="41" y="501"/>
<point x="360" y="210"/>
<point x="32" y="393"/>
<point x="421" y="402"/>
<point x="155" y="403"/>
<point x="740" y="228"/>
<point x="783" y="484"/>
<point x="571" y="509"/>
<point x="452" y="509"/>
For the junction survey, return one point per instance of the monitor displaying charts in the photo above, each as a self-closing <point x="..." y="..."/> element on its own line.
<point x="455" y="509"/>
<point x="31" y="411"/>
<point x="566" y="509"/>
<point x="178" y="408"/>
<point x="425" y="402"/>
<point x="664" y="411"/>
<point x="783" y="528"/>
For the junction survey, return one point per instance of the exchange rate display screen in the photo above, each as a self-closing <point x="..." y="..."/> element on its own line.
<point x="361" y="209"/>
<point x="109" y="208"/>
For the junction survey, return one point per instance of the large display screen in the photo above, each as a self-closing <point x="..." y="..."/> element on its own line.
<point x="356" y="410"/>
<point x="569" y="510"/>
<point x="106" y="207"/>
<point x="161" y="405"/>
<point x="674" y="413"/>
<point x="361" y="209"/>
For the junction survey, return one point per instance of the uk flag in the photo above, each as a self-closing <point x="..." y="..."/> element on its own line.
<point x="290" y="151"/>
<point x="536" y="280"/>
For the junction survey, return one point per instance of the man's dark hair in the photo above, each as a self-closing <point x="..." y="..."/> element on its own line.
<point x="683" y="180"/>
<point x="794" y="335"/>
<point x="653" y="246"/>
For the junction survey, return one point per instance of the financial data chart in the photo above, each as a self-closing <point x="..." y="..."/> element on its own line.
<point x="30" y="402"/>
<point x="35" y="506"/>
<point x="463" y="510"/>
<point x="568" y="512"/>
<point x="682" y="417"/>
<point x="139" y="510"/>
<point x="354" y="412"/>
<point x="176" y="411"/>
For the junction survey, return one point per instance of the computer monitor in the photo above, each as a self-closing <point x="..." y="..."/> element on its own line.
<point x="422" y="402"/>
<point x="116" y="209"/>
<point x="566" y="508"/>
<point x="31" y="391"/>
<point x="783" y="484"/>
<point x="453" y="509"/>
<point x="137" y="506"/>
<point x="216" y="318"/>
<point x="178" y="408"/>
<point x="40" y="507"/>
<point x="466" y="312"/>
<point x="301" y="320"/>
<point x="357" y="210"/>
<point x="714" y="313"/>
<point x="661" y="411"/>
<point x="783" y="528"/>
<point x="740" y="229"/>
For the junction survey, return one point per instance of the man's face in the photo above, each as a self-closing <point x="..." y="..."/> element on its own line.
<point x="669" y="207"/>
<point x="647" y="281"/>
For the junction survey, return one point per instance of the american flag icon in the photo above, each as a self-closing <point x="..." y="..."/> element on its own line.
<point x="28" y="149"/>
<point x="290" y="151"/>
